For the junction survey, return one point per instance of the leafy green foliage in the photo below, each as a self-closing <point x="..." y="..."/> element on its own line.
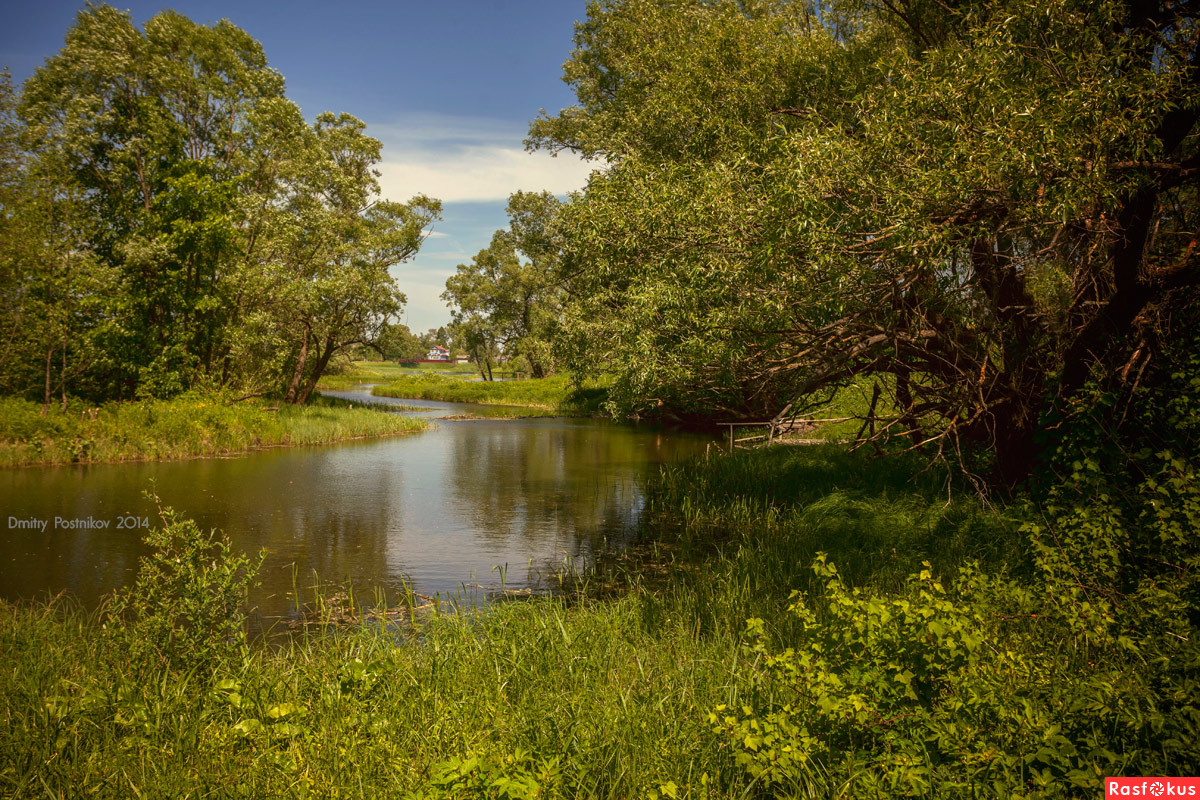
<point x="518" y="776"/>
<point x="500" y="300"/>
<point x="187" y="605"/>
<point x="798" y="196"/>
<point x="199" y="232"/>
<point x="1009" y="682"/>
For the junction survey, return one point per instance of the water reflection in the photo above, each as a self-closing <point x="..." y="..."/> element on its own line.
<point x="438" y="509"/>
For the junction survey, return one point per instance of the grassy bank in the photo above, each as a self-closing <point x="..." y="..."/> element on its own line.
<point x="556" y="393"/>
<point x="944" y="656"/>
<point x="586" y="701"/>
<point x="360" y="372"/>
<point x="185" y="427"/>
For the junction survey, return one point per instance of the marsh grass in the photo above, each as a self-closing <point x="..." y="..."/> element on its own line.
<point x="185" y="427"/>
<point x="730" y="538"/>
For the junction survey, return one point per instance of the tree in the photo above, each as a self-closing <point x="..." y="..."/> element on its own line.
<point x="250" y="247"/>
<point x="501" y="300"/>
<point x="149" y="126"/>
<point x="342" y="245"/>
<point x="397" y="343"/>
<point x="971" y="208"/>
<point x="58" y="300"/>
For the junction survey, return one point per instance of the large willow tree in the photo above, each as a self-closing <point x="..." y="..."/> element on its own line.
<point x="971" y="207"/>
<point x="237" y="244"/>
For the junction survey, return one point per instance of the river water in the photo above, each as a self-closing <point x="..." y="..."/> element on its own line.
<point x="444" y="512"/>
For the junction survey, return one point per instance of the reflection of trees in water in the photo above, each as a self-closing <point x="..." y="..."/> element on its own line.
<point x="326" y="516"/>
<point x="547" y="488"/>
<point x="573" y="483"/>
<point x="298" y="505"/>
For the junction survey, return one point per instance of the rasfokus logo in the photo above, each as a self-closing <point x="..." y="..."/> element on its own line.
<point x="1152" y="787"/>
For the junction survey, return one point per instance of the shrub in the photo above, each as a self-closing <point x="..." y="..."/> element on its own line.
<point x="995" y="686"/>
<point x="186" y="607"/>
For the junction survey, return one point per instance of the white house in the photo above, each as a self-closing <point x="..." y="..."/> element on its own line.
<point x="438" y="353"/>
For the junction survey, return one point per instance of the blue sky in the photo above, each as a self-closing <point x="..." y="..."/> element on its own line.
<point x="448" y="86"/>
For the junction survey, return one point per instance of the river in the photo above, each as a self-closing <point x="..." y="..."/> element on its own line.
<point x="445" y="512"/>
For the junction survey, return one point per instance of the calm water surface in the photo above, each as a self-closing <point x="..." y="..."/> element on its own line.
<point x="437" y="510"/>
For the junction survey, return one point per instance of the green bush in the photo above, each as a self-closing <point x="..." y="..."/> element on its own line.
<point x="187" y="605"/>
<point x="518" y="776"/>
<point x="1037" y="686"/>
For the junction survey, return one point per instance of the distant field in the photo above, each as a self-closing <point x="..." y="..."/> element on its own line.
<point x="556" y="393"/>
<point x="386" y="371"/>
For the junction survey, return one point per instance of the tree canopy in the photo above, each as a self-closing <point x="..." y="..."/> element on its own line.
<point x="971" y="207"/>
<point x="509" y="297"/>
<point x="202" y="232"/>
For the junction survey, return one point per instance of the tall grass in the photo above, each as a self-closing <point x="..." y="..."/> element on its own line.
<point x="644" y="683"/>
<point x="586" y="701"/>
<point x="185" y="427"/>
<point x="739" y="533"/>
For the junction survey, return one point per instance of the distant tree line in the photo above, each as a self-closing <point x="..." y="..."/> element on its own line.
<point x="170" y="221"/>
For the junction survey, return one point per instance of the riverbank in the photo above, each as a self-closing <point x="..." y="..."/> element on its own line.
<point x="930" y="651"/>
<point x="360" y="372"/>
<point x="556" y="393"/>
<point x="185" y="427"/>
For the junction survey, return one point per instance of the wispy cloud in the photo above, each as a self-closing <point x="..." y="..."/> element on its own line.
<point x="472" y="165"/>
<point x="459" y="159"/>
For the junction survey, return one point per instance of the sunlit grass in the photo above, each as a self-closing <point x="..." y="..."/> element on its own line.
<point x="360" y="372"/>
<point x="556" y="393"/>
<point x="185" y="427"/>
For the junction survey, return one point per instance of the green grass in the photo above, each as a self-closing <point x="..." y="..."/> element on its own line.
<point x="738" y="534"/>
<point x="185" y="427"/>
<point x="611" y="703"/>
<point x="360" y="372"/>
<point x="556" y="393"/>
<point x="607" y="692"/>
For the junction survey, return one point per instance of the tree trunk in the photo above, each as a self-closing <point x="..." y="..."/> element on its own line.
<point x="1012" y="399"/>
<point x="905" y="399"/>
<point x="63" y="376"/>
<point x="298" y="372"/>
<point x="318" y="371"/>
<point x="46" y="393"/>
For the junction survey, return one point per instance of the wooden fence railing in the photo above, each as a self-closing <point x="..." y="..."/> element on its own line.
<point x="776" y="430"/>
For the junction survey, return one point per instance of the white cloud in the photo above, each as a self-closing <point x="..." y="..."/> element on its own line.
<point x="457" y="159"/>
<point x="479" y="173"/>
